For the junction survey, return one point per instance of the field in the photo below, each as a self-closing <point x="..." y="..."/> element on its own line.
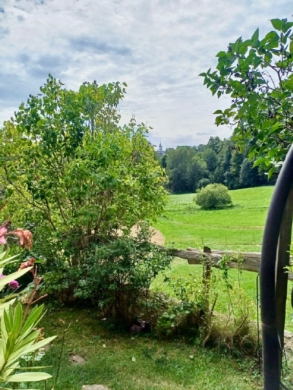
<point x="238" y="228"/>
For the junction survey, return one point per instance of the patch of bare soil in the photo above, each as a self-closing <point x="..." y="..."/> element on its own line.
<point x="157" y="236"/>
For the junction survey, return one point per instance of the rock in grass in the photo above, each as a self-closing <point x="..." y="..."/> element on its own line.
<point x="94" y="387"/>
<point x="76" y="359"/>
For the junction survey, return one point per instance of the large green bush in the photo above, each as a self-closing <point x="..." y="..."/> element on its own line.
<point x="80" y="177"/>
<point x="213" y="196"/>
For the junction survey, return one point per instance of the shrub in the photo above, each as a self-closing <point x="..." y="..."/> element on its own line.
<point x="213" y="196"/>
<point x="83" y="176"/>
<point x="115" y="274"/>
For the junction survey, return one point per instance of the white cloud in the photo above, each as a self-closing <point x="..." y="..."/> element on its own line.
<point x="157" y="46"/>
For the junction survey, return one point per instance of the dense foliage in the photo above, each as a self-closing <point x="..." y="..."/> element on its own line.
<point x="219" y="161"/>
<point x="213" y="196"/>
<point x="79" y="176"/>
<point x="257" y="73"/>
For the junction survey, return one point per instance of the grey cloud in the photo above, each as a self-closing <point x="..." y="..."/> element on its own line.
<point x="211" y="132"/>
<point x="2" y="10"/>
<point x="43" y="65"/>
<point x="13" y="90"/>
<point x="20" y="18"/>
<point x="3" y="31"/>
<point x="87" y="43"/>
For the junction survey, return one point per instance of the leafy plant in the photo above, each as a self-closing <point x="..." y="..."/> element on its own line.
<point x="80" y="176"/>
<point x="184" y="314"/>
<point x="213" y="196"/>
<point x="19" y="335"/>
<point x="257" y="73"/>
<point x="118" y="273"/>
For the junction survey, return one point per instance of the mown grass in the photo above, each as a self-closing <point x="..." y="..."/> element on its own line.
<point x="239" y="228"/>
<point x="120" y="361"/>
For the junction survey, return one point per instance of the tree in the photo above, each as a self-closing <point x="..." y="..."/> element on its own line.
<point x="81" y="176"/>
<point x="185" y="168"/>
<point x="258" y="76"/>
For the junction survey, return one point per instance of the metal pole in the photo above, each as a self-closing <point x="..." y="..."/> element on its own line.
<point x="272" y="348"/>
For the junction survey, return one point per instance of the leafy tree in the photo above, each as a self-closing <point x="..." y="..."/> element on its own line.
<point x="210" y="157"/>
<point x="185" y="168"/>
<point x="213" y="196"/>
<point x="81" y="176"/>
<point x="257" y="74"/>
<point x="250" y="176"/>
<point x="197" y="171"/>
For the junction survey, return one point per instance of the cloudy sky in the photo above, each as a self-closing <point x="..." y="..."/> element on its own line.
<point x="158" y="47"/>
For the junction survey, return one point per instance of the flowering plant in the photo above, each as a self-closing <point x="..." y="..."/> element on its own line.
<point x="18" y="333"/>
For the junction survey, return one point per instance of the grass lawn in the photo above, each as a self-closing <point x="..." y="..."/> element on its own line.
<point x="239" y="228"/>
<point x="120" y="361"/>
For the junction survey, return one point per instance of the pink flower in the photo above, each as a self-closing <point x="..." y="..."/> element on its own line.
<point x="3" y="230"/>
<point x="13" y="285"/>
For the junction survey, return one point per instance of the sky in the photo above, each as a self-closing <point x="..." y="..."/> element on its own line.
<point x="158" y="47"/>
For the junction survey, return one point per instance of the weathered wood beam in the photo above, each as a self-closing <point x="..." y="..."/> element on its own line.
<point x="246" y="261"/>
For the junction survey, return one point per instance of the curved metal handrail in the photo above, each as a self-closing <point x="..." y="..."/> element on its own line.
<point x="272" y="344"/>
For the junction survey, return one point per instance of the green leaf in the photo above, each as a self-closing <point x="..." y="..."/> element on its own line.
<point x="286" y="26"/>
<point x="271" y="171"/>
<point x="277" y="24"/>
<point x="221" y="54"/>
<point x="29" y="377"/>
<point x="255" y="35"/>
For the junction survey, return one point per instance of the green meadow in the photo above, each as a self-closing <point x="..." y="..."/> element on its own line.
<point x="238" y="228"/>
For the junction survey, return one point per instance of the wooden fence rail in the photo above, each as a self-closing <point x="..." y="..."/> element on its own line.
<point x="247" y="261"/>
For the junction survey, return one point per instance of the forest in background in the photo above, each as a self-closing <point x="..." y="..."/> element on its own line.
<point x="190" y="168"/>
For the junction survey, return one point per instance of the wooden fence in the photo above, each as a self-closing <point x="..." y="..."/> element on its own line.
<point x="247" y="261"/>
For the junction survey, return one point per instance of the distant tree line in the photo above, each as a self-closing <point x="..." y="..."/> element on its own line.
<point x="219" y="161"/>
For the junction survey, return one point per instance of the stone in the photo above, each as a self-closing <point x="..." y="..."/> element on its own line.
<point x="76" y="359"/>
<point x="94" y="387"/>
